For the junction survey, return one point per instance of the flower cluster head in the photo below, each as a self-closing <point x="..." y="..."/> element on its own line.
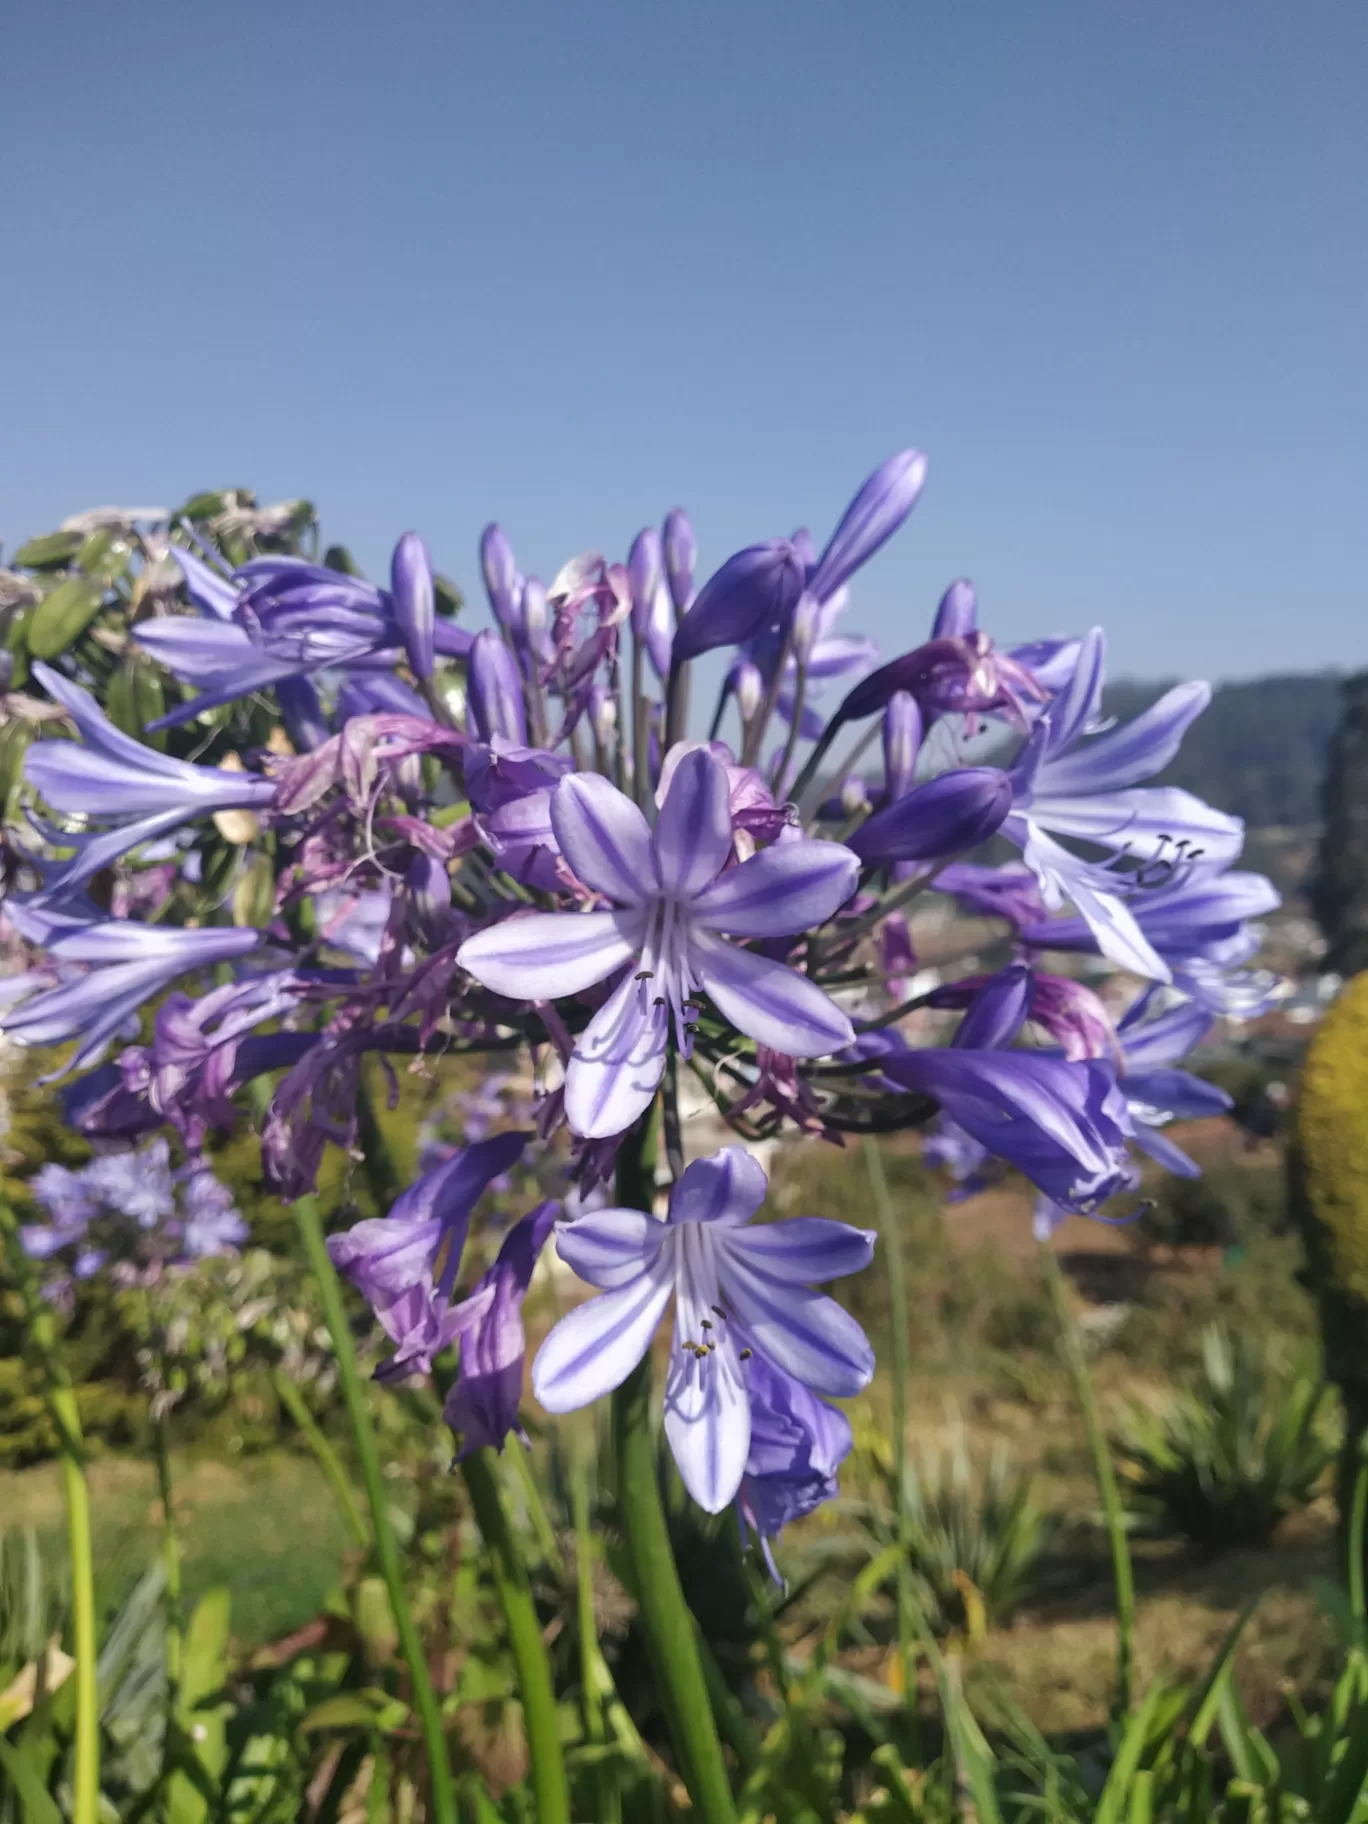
<point x="131" y="1212"/>
<point x="355" y="829"/>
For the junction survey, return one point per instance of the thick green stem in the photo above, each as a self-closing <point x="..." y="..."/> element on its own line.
<point x="171" y="1562"/>
<point x="386" y="1547"/>
<point x="896" y="1269"/>
<point x="60" y="1398"/>
<point x="1112" y="1509"/>
<point x="666" y="1620"/>
<point x="608" y="1806"/>
<point x="550" y="1792"/>
<point x="327" y="1458"/>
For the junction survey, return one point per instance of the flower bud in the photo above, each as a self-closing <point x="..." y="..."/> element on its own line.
<point x="854" y="795"/>
<point x="680" y="553"/>
<point x="414" y="602"/>
<point x="494" y="691"/>
<point x="748" y="686"/>
<point x="645" y="572"/>
<point x="500" y="574"/>
<point x="947" y="815"/>
<point x="429" y="896"/>
<point x="872" y="518"/>
<point x="957" y="614"/>
<point x="757" y="588"/>
<point x="902" y="735"/>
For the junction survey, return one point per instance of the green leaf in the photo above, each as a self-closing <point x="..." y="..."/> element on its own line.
<point x="254" y="893"/>
<point x="104" y="556"/>
<point x="135" y="697"/>
<point x="50" y="551"/>
<point x="371" y="1709"/>
<point x="209" y="505"/>
<point x="337" y="557"/>
<point x="63" y="616"/>
<point x="448" y="597"/>
<point x="206" y="1647"/>
<point x="39" y="1806"/>
<point x="14" y="744"/>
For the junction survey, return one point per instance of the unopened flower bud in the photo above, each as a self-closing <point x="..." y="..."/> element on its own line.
<point x="680" y="549"/>
<point x="414" y="602"/>
<point x="500" y="574"/>
<point x="494" y="691"/>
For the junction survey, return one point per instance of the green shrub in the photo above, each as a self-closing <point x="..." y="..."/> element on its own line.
<point x="1232" y="1455"/>
<point x="1226" y="1206"/>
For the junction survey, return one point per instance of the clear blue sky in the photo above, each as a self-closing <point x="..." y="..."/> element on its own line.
<point x="566" y="265"/>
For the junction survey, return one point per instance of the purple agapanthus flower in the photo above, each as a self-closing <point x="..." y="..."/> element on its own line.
<point x="277" y="618"/>
<point x="797" y="1445"/>
<point x="482" y="1406"/>
<point x="1199" y="924"/>
<point x="116" y="965"/>
<point x="1064" y="785"/>
<point x="110" y="779"/>
<point x="405" y="1264"/>
<point x="725" y="1276"/>
<point x="674" y="898"/>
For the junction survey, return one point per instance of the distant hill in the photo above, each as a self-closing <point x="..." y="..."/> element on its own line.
<point x="1260" y="749"/>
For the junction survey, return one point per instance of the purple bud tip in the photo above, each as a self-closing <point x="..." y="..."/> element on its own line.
<point x="645" y="564"/>
<point x="681" y="554"/>
<point x="414" y="602"/>
<point x="757" y="588"/>
<point x="500" y="574"/>
<point x="957" y="614"/>
<point x="872" y="518"/>
<point x="494" y="691"/>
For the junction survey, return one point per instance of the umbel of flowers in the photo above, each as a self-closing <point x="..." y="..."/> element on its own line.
<point x="361" y="828"/>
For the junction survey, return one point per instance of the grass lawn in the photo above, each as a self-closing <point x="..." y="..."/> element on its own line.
<point x="266" y="1526"/>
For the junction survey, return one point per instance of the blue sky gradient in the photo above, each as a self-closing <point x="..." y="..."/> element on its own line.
<point x="566" y="266"/>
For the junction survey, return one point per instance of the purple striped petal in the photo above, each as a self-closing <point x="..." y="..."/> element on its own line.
<point x="693" y="835"/>
<point x="610" y="1248"/>
<point x="616" y="1066"/>
<point x="1174" y="1092"/>
<point x="947" y="815"/>
<point x="804" y="1250"/>
<point x="998" y="1011"/>
<point x="727" y="1188"/>
<point x="544" y="956"/>
<point x="875" y="514"/>
<point x="1166" y="1039"/>
<point x="1125" y="756"/>
<point x="1164" y="1152"/>
<point x="803" y="1332"/>
<point x="1076" y="707"/>
<point x="595" y="1347"/>
<point x="211" y="593"/>
<point x="707" y="1414"/>
<point x="1112" y="923"/>
<point x="1148" y="822"/>
<point x="788" y="887"/>
<point x="605" y="838"/>
<point x="768" y="1001"/>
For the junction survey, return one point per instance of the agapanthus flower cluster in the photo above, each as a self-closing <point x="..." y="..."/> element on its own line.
<point x="359" y="830"/>
<point x="131" y="1212"/>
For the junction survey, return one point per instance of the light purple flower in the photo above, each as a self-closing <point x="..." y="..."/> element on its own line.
<point x="111" y="779"/>
<point x="405" y="1264"/>
<point x="482" y="1406"/>
<point x="672" y="903"/>
<point x="722" y="1274"/>
<point x="120" y="965"/>
<point x="1090" y="790"/>
<point x="210" y="1223"/>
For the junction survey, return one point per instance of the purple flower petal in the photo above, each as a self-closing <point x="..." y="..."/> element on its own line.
<point x="1138" y="750"/>
<point x="1164" y="1152"/>
<point x="494" y="691"/>
<point x="1075" y="708"/>
<point x="727" y="1188"/>
<point x="616" y="1066"/>
<point x="414" y="602"/>
<point x="605" y="838"/>
<point x="543" y="956"/>
<point x="768" y="1001"/>
<point x="801" y="1331"/>
<point x="791" y="886"/>
<point x="610" y="1248"/>
<point x="694" y="832"/>
<point x="593" y="1348"/>
<point x="804" y="1250"/>
<point x="957" y="614"/>
<point x="707" y="1414"/>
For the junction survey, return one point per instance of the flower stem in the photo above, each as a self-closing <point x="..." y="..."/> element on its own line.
<point x="59" y="1396"/>
<point x="896" y="1269"/>
<point x="665" y="1616"/>
<point x="171" y="1561"/>
<point x="1112" y="1509"/>
<point x="550" y="1793"/>
<point x="386" y="1547"/>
